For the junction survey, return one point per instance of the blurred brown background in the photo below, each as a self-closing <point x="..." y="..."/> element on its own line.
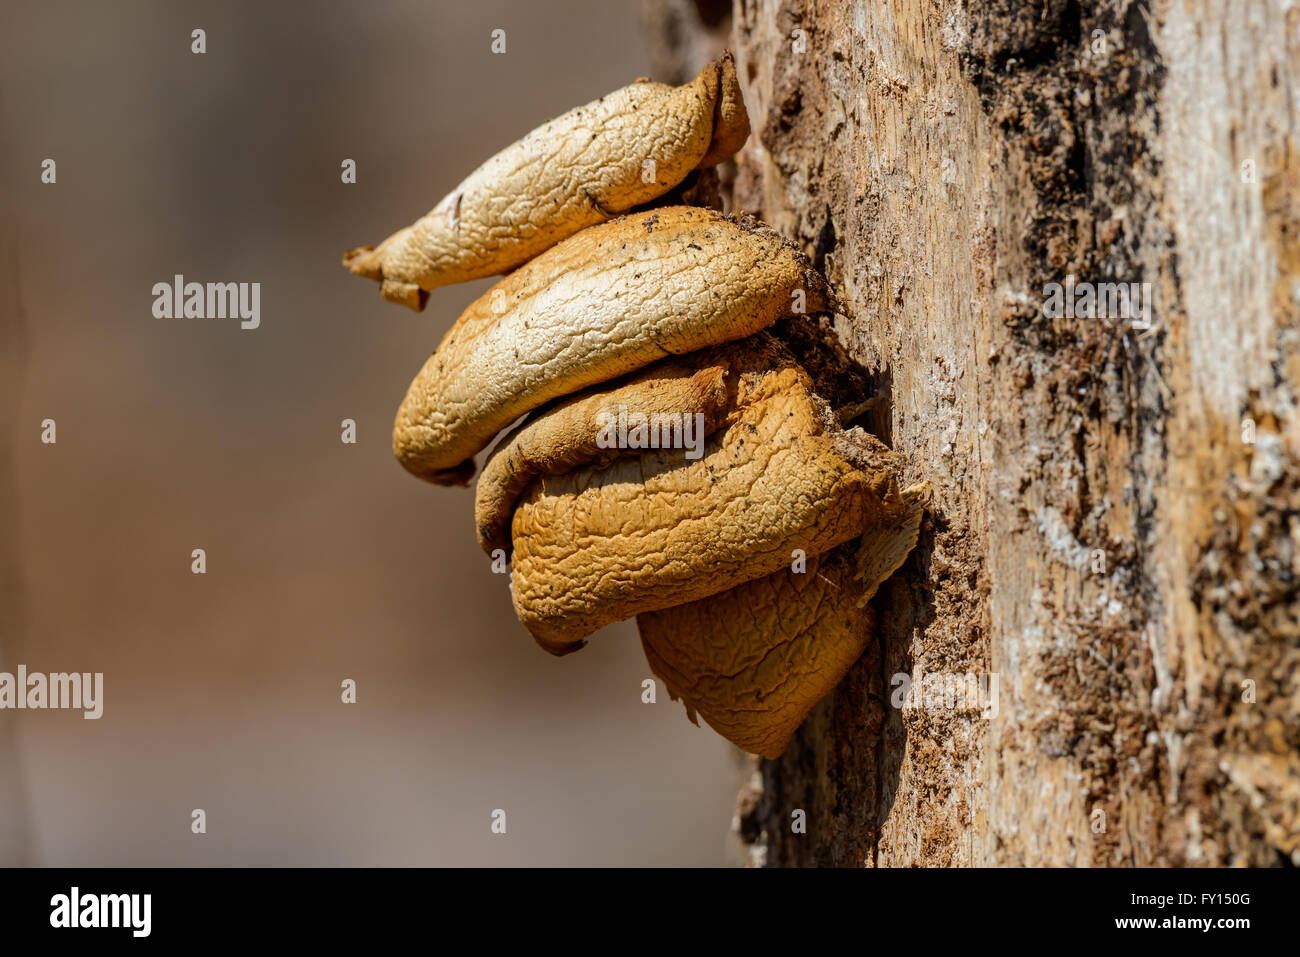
<point x="325" y="561"/>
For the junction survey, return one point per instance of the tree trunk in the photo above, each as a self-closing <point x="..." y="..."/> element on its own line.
<point x="1114" y="546"/>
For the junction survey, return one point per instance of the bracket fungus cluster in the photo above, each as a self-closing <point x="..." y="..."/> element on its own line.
<point x="674" y="461"/>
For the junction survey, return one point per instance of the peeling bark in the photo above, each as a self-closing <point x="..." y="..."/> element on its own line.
<point x="1116" y="523"/>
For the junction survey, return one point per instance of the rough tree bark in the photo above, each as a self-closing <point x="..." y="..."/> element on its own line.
<point x="1116" y="530"/>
